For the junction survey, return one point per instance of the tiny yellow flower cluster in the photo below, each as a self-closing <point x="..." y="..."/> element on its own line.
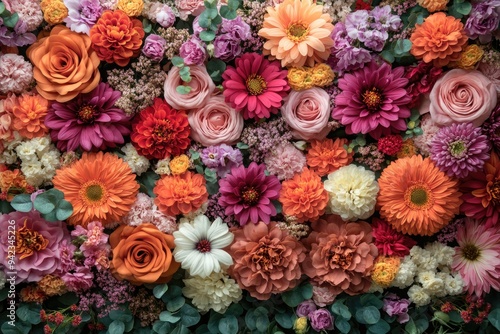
<point x="131" y="7"/>
<point x="385" y="269"/>
<point x="54" y="11"/>
<point x="301" y="78"/>
<point x="300" y="325"/>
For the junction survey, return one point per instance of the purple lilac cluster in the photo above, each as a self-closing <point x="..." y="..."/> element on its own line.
<point x="227" y="44"/>
<point x="19" y="36"/>
<point x="395" y="306"/>
<point x="215" y="210"/>
<point x="222" y="158"/>
<point x="448" y="233"/>
<point x="483" y="20"/>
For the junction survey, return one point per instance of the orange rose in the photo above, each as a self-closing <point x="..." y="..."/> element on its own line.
<point x="64" y="64"/>
<point x="142" y="254"/>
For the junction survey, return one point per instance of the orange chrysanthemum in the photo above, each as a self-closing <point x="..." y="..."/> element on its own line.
<point x="304" y="196"/>
<point x="297" y="33"/>
<point x="176" y="194"/>
<point x="326" y="156"/>
<point x="13" y="183"/>
<point x="417" y="198"/>
<point x="100" y="186"/>
<point x="116" y="37"/>
<point x="29" y="115"/>
<point x="433" y="5"/>
<point x="440" y="39"/>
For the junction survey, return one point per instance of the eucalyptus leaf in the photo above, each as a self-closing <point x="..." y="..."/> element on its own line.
<point x="22" y="203"/>
<point x="207" y="36"/>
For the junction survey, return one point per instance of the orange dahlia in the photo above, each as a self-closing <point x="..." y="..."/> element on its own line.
<point x="29" y="114"/>
<point x="304" y="196"/>
<point x="116" y="37"/>
<point x="176" y="194"/>
<point x="100" y="186"/>
<point x="326" y="156"/>
<point x="297" y="33"/>
<point x="417" y="198"/>
<point x="440" y="39"/>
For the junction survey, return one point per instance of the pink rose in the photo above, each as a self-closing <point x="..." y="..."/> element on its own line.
<point x="189" y="7"/>
<point x="307" y="112"/>
<point x="462" y="96"/>
<point x="201" y="85"/>
<point x="216" y="123"/>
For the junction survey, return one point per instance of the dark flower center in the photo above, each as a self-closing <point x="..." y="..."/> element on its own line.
<point x="162" y="130"/>
<point x="419" y="196"/>
<point x="94" y="193"/>
<point x="297" y="32"/>
<point x="457" y="148"/>
<point x="203" y="246"/>
<point x="372" y="98"/>
<point x="250" y="195"/>
<point x="87" y="113"/>
<point x="255" y="84"/>
<point x="494" y="191"/>
<point x="29" y="241"/>
<point x="338" y="254"/>
<point x="471" y="252"/>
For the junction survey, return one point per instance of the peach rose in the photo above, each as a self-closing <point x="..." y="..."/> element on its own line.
<point x="462" y="96"/>
<point x="307" y="112"/>
<point x="189" y="7"/>
<point x="216" y="123"/>
<point x="142" y="254"/>
<point x="201" y="85"/>
<point x="65" y="64"/>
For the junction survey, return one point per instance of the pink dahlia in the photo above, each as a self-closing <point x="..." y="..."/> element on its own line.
<point x="390" y="242"/>
<point x="373" y="100"/>
<point x="247" y="193"/>
<point x="256" y="86"/>
<point x="90" y="121"/>
<point x="477" y="257"/>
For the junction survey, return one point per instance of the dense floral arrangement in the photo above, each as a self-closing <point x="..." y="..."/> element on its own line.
<point x="250" y="166"/>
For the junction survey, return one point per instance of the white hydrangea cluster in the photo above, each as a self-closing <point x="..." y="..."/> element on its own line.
<point x="39" y="160"/>
<point x="428" y="274"/>
<point x="138" y="163"/>
<point x="162" y="167"/>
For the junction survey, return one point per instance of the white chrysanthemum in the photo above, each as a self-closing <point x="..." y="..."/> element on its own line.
<point x="442" y="253"/>
<point x="454" y="285"/>
<point x="138" y="163"/>
<point x="199" y="246"/>
<point x="352" y="191"/>
<point x="406" y="272"/>
<point x="418" y="296"/>
<point x="374" y="287"/>
<point x="215" y="292"/>
<point x="162" y="167"/>
<point x="3" y="279"/>
<point x="434" y="287"/>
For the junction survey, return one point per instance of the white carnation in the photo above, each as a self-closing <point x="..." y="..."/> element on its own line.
<point x="418" y="295"/>
<point x="162" y="167"/>
<point x="138" y="163"/>
<point x="406" y="272"/>
<point x="442" y="253"/>
<point x="454" y="285"/>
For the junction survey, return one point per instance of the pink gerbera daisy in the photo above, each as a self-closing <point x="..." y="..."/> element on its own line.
<point x="256" y="86"/>
<point x="373" y="101"/>
<point x="477" y="258"/>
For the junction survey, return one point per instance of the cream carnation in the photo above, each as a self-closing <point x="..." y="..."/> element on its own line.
<point x="16" y="74"/>
<point x="201" y="85"/>
<point x="442" y="253"/>
<point x="284" y="161"/>
<point x="353" y="192"/>
<point x="454" y="285"/>
<point x="418" y="296"/>
<point x="138" y="163"/>
<point x="163" y="167"/>
<point x="405" y="274"/>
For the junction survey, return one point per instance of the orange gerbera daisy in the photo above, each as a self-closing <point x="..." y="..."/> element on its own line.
<point x="176" y="194"/>
<point x="326" y="156"/>
<point x="304" y="196"/>
<point x="100" y="186"/>
<point x="417" y="198"/>
<point x="298" y="33"/>
<point x="29" y="115"/>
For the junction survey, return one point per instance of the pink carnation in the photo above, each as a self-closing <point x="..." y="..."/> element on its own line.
<point x="80" y="280"/>
<point x="16" y="74"/>
<point x="284" y="161"/>
<point x="145" y="211"/>
<point x="429" y="128"/>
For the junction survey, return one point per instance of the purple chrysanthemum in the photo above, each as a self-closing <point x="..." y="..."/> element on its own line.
<point x="460" y="149"/>
<point x="247" y="193"/>
<point x="90" y="121"/>
<point x="492" y="127"/>
<point x="373" y="100"/>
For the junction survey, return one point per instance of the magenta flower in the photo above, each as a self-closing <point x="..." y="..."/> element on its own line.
<point x="373" y="101"/>
<point x="90" y="121"/>
<point x="256" y="86"/>
<point x="247" y="193"/>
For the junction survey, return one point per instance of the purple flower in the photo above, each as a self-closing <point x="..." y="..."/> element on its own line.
<point x="460" y="149"/>
<point x="222" y="157"/>
<point x="18" y="37"/>
<point x="82" y="15"/>
<point x="356" y="22"/>
<point x="226" y="47"/>
<point x="321" y="320"/>
<point x="492" y="127"/>
<point x="383" y="20"/>
<point x="374" y="39"/>
<point x="238" y="28"/>
<point x="154" y="47"/>
<point x="394" y="306"/>
<point x="193" y="52"/>
<point x="305" y="308"/>
<point x="483" y="20"/>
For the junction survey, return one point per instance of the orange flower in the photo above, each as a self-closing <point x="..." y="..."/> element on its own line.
<point x="326" y="156"/>
<point x="54" y="11"/>
<point x="142" y="254"/>
<point x="440" y="39"/>
<point x="417" y="198"/>
<point x="32" y="294"/>
<point x="64" y="64"/>
<point x="385" y="269"/>
<point x="176" y="194"/>
<point x="52" y="285"/>
<point x="13" y="183"/>
<point x="407" y="150"/>
<point x="116" y="38"/>
<point x="100" y="186"/>
<point x="304" y="196"/>
<point x="298" y="33"/>
<point x="433" y="5"/>
<point x="29" y="114"/>
<point x="179" y="164"/>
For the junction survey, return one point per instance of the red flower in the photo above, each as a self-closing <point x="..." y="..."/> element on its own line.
<point x="160" y="131"/>
<point x="390" y="242"/>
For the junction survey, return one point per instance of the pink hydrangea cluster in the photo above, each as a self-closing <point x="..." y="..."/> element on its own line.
<point x="145" y="211"/>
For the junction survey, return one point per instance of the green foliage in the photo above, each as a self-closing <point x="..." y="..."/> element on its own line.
<point x="147" y="182"/>
<point x="494" y="318"/>
<point x="298" y="295"/>
<point x="51" y="205"/>
<point x="159" y="290"/>
<point x="460" y="8"/>
<point x="22" y="203"/>
<point x="29" y="313"/>
<point x="215" y="68"/>
<point x="183" y="89"/>
<point x="11" y="21"/>
<point x="228" y="325"/>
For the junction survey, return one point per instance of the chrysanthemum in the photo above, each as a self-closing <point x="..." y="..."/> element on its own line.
<point x="100" y="186"/>
<point x="459" y="149"/>
<point x="297" y="33"/>
<point x="492" y="127"/>
<point x="247" y="193"/>
<point x="352" y="191"/>
<point x="417" y="198"/>
<point x="326" y="156"/>
<point x="373" y="100"/>
<point x="284" y="161"/>
<point x="477" y="258"/>
<point x="29" y="113"/>
<point x="90" y="121"/>
<point x="199" y="246"/>
<point x="255" y="87"/>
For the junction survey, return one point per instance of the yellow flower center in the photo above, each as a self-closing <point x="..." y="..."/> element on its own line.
<point x="471" y="252"/>
<point x="372" y="98"/>
<point x="87" y="114"/>
<point x="93" y="193"/>
<point x="418" y="197"/>
<point x="297" y="32"/>
<point x="162" y="130"/>
<point x="250" y="195"/>
<point x="256" y="84"/>
<point x="29" y="241"/>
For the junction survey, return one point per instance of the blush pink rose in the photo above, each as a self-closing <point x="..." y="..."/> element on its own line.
<point x="201" y="85"/>
<point x="189" y="7"/>
<point x="307" y="112"/>
<point x="216" y="123"/>
<point x="462" y="96"/>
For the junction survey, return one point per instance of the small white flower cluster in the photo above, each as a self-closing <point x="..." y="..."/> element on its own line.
<point x="39" y="160"/>
<point x="3" y="279"/>
<point x="338" y="9"/>
<point x="138" y="163"/>
<point x="9" y="155"/>
<point x="162" y="167"/>
<point x="427" y="271"/>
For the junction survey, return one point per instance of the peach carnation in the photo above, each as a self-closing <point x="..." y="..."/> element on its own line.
<point x="326" y="156"/>
<point x="29" y="115"/>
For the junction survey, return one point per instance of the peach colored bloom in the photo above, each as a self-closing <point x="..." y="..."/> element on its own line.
<point x="189" y="7"/>
<point x="201" y="85"/>
<point x="325" y="157"/>
<point x="29" y="113"/>
<point x="433" y="5"/>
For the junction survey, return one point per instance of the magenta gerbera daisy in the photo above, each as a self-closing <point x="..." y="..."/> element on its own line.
<point x="247" y="193"/>
<point x="90" y="121"/>
<point x="256" y="86"/>
<point x="477" y="258"/>
<point x="373" y="100"/>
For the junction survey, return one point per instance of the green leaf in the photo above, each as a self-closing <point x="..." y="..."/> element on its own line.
<point x="285" y="320"/>
<point x="306" y="290"/>
<point x="64" y="210"/>
<point x="183" y="89"/>
<point x="207" y="36"/>
<point x="176" y="303"/>
<point x="211" y="13"/>
<point x="368" y="315"/>
<point x="292" y="298"/>
<point x="169" y="317"/>
<point x="210" y="4"/>
<point x="233" y="4"/>
<point x="342" y="325"/>
<point x="161" y="327"/>
<point x="261" y="322"/>
<point x="22" y="203"/>
<point x="215" y="68"/>
<point x="494" y="318"/>
<point x="388" y="56"/>
<point x="17" y="328"/>
<point x="411" y="328"/>
<point x="147" y="181"/>
<point x="146" y="26"/>
<point x="185" y="74"/>
<point x="242" y="146"/>
<point x="2" y="8"/>
<point x="227" y="13"/>
<point x="251" y="320"/>
<point x="189" y="315"/>
<point x="11" y="21"/>
<point x="178" y="61"/>
<point x="228" y="325"/>
<point x="29" y="313"/>
<point x="159" y="290"/>
<point x="339" y="308"/>
<point x="464" y="8"/>
<point x="116" y="327"/>
<point x="402" y="47"/>
<point x="370" y="299"/>
<point x="381" y="327"/>
<point x="119" y="315"/>
<point x="212" y="188"/>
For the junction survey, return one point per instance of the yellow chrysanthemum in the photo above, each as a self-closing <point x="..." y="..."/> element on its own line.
<point x="299" y="78"/>
<point x="54" y="11"/>
<point x="179" y="164"/>
<point x="470" y="57"/>
<point x="385" y="269"/>
<point x="131" y="7"/>
<point x="322" y="75"/>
